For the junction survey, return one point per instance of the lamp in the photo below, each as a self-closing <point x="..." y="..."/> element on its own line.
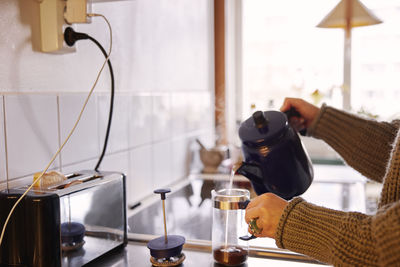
<point x="346" y="15"/>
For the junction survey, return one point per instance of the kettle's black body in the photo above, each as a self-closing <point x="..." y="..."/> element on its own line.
<point x="275" y="159"/>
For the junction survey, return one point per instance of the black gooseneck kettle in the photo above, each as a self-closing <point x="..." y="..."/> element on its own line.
<point x="274" y="157"/>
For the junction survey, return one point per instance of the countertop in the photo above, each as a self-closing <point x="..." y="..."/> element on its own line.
<point x="189" y="214"/>
<point x="137" y="254"/>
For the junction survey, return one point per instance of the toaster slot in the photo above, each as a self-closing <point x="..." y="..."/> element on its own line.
<point x="85" y="179"/>
<point x="72" y="175"/>
<point x="90" y="178"/>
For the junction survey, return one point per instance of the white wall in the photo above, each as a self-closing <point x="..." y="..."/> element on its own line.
<point x="163" y="64"/>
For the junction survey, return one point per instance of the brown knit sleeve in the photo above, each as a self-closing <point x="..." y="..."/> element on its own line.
<point x="364" y="144"/>
<point x="330" y="236"/>
<point x="386" y="232"/>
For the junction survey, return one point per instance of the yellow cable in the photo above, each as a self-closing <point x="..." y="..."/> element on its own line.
<point x="69" y="135"/>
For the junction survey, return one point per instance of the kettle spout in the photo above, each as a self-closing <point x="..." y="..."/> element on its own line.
<point x="251" y="171"/>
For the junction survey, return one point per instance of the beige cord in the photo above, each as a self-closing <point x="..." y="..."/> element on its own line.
<point x="109" y="26"/>
<point x="69" y="135"/>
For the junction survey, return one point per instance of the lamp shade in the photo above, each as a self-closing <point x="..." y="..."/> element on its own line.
<point x="349" y="11"/>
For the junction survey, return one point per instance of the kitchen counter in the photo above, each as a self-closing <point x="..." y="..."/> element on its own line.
<point x="189" y="213"/>
<point x="198" y="253"/>
<point x="189" y="205"/>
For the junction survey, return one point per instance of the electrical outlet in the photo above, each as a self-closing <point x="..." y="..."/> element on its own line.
<point x="54" y="17"/>
<point x="76" y="11"/>
<point x="51" y="20"/>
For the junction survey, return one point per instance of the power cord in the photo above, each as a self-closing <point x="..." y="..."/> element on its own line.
<point x="66" y="139"/>
<point x="70" y="37"/>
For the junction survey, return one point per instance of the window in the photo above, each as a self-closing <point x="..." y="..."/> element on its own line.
<point x="285" y="54"/>
<point x="376" y="62"/>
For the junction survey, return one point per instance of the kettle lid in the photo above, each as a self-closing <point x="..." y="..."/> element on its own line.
<point x="263" y="127"/>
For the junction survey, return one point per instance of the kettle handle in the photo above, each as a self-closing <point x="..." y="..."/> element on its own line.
<point x="244" y="204"/>
<point x="246" y="237"/>
<point x="292" y="112"/>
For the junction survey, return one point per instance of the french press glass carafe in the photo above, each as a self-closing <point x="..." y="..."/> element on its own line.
<point x="228" y="225"/>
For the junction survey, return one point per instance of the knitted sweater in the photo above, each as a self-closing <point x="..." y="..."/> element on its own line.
<point x="351" y="238"/>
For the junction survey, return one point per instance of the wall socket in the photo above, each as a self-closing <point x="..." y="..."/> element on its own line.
<point x="51" y="21"/>
<point x="76" y="11"/>
<point x="54" y="16"/>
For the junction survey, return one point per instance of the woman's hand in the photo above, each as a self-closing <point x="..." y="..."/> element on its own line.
<point x="307" y="111"/>
<point x="268" y="209"/>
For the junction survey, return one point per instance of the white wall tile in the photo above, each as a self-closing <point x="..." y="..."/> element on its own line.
<point x="122" y="17"/>
<point x="206" y="107"/>
<point x="161" y="118"/>
<point x="118" y="139"/>
<point x="2" y="148"/>
<point x="162" y="161"/>
<point x="118" y="162"/>
<point x="140" y="178"/>
<point x="83" y="144"/>
<point x="176" y="53"/>
<point x="200" y="111"/>
<point x="140" y="112"/>
<point x="181" y="158"/>
<point x="179" y="107"/>
<point x="83" y="165"/>
<point x="32" y="134"/>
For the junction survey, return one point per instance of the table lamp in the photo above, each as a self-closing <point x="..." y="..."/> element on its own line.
<point x="346" y="15"/>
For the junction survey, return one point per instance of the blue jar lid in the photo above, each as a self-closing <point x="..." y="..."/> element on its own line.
<point x="263" y="128"/>
<point x="72" y="232"/>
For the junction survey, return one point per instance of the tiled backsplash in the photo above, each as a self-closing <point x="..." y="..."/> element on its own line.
<point x="163" y="65"/>
<point x="32" y="132"/>
<point x="83" y="144"/>
<point x="143" y="143"/>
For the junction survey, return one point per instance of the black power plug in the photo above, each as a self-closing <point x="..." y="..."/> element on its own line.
<point x="71" y="36"/>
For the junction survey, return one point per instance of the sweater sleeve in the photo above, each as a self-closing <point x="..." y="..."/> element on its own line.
<point x="364" y="144"/>
<point x="341" y="238"/>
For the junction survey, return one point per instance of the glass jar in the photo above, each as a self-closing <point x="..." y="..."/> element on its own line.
<point x="228" y="225"/>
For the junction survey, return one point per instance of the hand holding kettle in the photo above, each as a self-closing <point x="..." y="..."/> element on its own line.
<point x="306" y="112"/>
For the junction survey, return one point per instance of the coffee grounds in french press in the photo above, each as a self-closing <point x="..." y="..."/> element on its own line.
<point x="166" y="250"/>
